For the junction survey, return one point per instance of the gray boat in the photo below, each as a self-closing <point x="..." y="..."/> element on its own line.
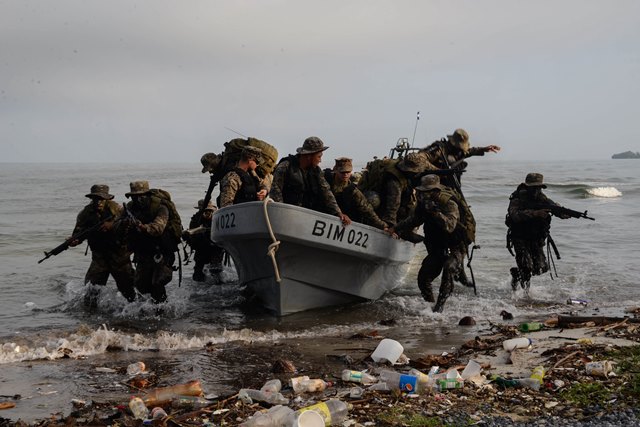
<point x="294" y="259"/>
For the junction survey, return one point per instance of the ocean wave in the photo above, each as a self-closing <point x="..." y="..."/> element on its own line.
<point x="606" y="192"/>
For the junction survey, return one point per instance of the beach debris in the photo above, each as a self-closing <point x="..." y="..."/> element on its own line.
<point x="600" y="368"/>
<point x="506" y="315"/>
<point x="105" y="370"/>
<point x="7" y="405"/>
<point x="282" y="366"/>
<point x="467" y="321"/>
<point x="136" y="368"/>
<point x="517" y="343"/>
<point x="388" y="350"/>
<point x="164" y="395"/>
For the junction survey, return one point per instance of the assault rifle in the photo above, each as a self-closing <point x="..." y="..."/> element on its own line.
<point x="78" y="236"/>
<point x="560" y="211"/>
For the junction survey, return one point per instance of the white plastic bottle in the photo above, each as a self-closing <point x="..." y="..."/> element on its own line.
<point x="398" y="381"/>
<point x="138" y="408"/>
<point x="248" y="395"/>
<point x="311" y="386"/>
<point x="334" y="411"/>
<point x="271" y="386"/>
<point x="515" y="343"/>
<point x="276" y="416"/>
<point x="358" y="377"/>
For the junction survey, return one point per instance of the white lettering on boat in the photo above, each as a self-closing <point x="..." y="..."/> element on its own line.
<point x="337" y="233"/>
<point x="227" y="220"/>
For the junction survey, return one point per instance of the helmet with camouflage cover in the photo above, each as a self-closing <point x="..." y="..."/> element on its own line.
<point x="459" y="138"/>
<point x="210" y="162"/>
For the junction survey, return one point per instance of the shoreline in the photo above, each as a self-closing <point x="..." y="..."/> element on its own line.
<point x="561" y="349"/>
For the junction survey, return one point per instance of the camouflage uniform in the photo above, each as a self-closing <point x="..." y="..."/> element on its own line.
<point x="303" y="187"/>
<point x="242" y="184"/>
<point x="206" y="252"/>
<point x="528" y="230"/>
<point x="397" y="199"/>
<point x="109" y="254"/>
<point x="153" y="246"/>
<point x="349" y="198"/>
<point x="444" y="240"/>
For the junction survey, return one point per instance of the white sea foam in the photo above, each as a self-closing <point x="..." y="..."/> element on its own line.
<point x="606" y="192"/>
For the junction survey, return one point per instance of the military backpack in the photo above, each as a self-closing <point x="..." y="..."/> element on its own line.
<point x="467" y="222"/>
<point x="372" y="177"/>
<point x="233" y="149"/>
<point x="174" y="225"/>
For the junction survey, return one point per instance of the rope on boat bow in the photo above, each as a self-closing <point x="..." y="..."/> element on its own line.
<point x="273" y="247"/>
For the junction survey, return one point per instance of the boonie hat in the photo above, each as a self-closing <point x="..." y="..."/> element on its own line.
<point x="211" y="206"/>
<point x="534" y="180"/>
<point x="101" y="191"/>
<point x="429" y="182"/>
<point x="460" y="139"/>
<point x="210" y="162"/>
<point x="413" y="162"/>
<point x="343" y="164"/>
<point x="311" y="145"/>
<point x="138" y="188"/>
<point x="250" y="152"/>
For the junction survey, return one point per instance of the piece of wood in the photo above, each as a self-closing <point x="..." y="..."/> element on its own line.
<point x="564" y="321"/>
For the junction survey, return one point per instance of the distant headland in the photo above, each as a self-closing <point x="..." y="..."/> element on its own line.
<point x="626" y="155"/>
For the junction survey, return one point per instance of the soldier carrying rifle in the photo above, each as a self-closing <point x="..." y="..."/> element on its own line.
<point x="529" y="222"/>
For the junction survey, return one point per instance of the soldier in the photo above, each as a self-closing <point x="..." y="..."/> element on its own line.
<point x="445" y="238"/>
<point x="529" y="226"/>
<point x="351" y="200"/>
<point x="242" y="184"/>
<point x="152" y="239"/>
<point x="451" y="152"/>
<point x="397" y="198"/>
<point x="198" y="237"/>
<point x="109" y="254"/>
<point x="298" y="180"/>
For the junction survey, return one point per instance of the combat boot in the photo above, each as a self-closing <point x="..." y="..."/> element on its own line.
<point x="515" y="278"/>
<point x="426" y="292"/>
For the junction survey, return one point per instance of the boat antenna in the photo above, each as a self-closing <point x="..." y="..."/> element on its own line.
<point x="234" y="131"/>
<point x="415" y="128"/>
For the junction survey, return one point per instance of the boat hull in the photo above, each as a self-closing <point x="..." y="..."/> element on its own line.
<point x="319" y="262"/>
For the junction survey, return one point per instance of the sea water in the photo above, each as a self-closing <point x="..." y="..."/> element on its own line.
<point x="48" y="336"/>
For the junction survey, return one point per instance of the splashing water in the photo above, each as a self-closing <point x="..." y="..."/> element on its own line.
<point x="607" y="192"/>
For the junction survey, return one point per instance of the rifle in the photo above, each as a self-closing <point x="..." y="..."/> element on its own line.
<point x="212" y="184"/>
<point x="560" y="211"/>
<point x="78" y="236"/>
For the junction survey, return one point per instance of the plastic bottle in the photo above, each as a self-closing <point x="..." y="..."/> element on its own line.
<point x="334" y="411"/>
<point x="503" y="382"/>
<point x="295" y="381"/>
<point x="158" y="413"/>
<point x="271" y="386"/>
<point x="189" y="402"/>
<point x="276" y="416"/>
<point x="138" y="408"/>
<point x="358" y="377"/>
<point x="424" y="380"/>
<point x="531" y="383"/>
<point x="136" y="368"/>
<point x="311" y="386"/>
<point x="538" y="374"/>
<point x="514" y="343"/>
<point x="398" y="381"/>
<point x="163" y="395"/>
<point x="531" y="326"/>
<point x="248" y="395"/>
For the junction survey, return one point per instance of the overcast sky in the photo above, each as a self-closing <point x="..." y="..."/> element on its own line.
<point x="164" y="80"/>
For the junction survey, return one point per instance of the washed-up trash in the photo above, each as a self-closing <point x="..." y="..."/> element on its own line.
<point x="283" y="366"/>
<point x="530" y="326"/>
<point x="358" y="377"/>
<point x="467" y="321"/>
<point x="7" y="405"/>
<point x="190" y="402"/>
<point x="472" y="370"/>
<point x="506" y="315"/>
<point x="136" y="368"/>
<point x="576" y="301"/>
<point x="312" y="385"/>
<point x="450" y="380"/>
<point x="271" y="386"/>
<point x="158" y="413"/>
<point x="388" y="350"/>
<point x="333" y="411"/>
<point x="356" y="392"/>
<point x="138" y="408"/>
<point x="78" y="403"/>
<point x="164" y="395"/>
<point x="515" y="343"/>
<point x="309" y="419"/>
<point x="538" y="374"/>
<point x="248" y="396"/>
<point x="599" y="369"/>
<point x="398" y="381"/>
<point x="105" y="370"/>
<point x="276" y="416"/>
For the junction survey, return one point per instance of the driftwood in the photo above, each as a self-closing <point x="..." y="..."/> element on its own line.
<point x="565" y="321"/>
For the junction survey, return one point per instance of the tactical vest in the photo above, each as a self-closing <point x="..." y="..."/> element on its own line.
<point x="531" y="229"/>
<point x="170" y="238"/>
<point x="466" y="227"/>
<point x="249" y="188"/>
<point x="391" y="169"/>
<point x="302" y="188"/>
<point x="99" y="241"/>
<point x="345" y="202"/>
